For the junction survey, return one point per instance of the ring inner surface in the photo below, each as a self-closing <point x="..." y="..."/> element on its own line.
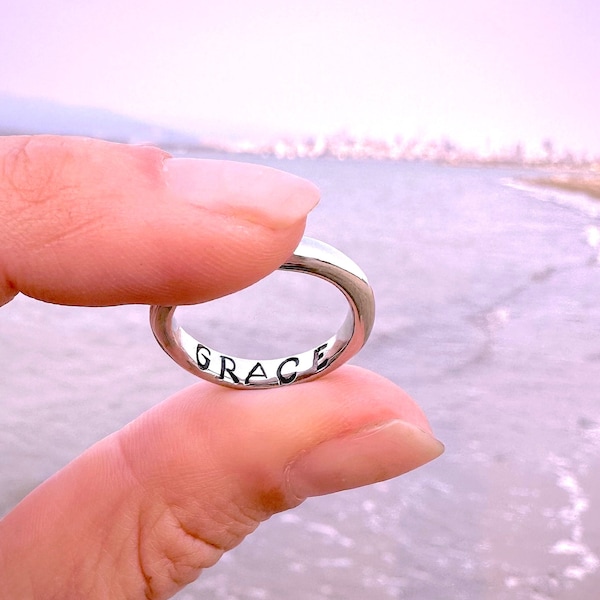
<point x="285" y="313"/>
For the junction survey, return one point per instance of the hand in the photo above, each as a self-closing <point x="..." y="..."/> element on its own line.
<point x="142" y="512"/>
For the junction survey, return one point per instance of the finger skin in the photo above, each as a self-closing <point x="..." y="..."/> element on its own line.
<point x="93" y="223"/>
<point x="145" y="510"/>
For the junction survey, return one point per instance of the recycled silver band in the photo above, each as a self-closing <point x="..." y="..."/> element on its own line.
<point x="314" y="258"/>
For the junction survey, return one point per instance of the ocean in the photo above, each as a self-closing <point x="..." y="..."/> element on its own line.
<point x="488" y="314"/>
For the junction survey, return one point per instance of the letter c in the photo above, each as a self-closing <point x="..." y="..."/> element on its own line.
<point x="285" y="379"/>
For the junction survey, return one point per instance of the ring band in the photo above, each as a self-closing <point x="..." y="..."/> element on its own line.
<point x="314" y="258"/>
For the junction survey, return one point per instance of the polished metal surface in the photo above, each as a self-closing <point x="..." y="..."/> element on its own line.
<point x="314" y="258"/>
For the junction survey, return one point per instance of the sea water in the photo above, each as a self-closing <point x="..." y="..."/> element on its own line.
<point x="488" y="314"/>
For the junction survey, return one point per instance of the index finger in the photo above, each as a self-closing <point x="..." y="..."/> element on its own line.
<point x="87" y="222"/>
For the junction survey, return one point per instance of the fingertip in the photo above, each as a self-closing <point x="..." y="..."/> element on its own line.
<point x="256" y="193"/>
<point x="365" y="457"/>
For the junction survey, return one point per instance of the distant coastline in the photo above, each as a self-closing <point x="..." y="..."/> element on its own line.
<point x="347" y="147"/>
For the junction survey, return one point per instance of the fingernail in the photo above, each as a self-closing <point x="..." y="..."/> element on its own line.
<point x="367" y="457"/>
<point x="247" y="191"/>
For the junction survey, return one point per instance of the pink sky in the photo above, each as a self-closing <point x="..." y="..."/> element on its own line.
<point x="478" y="72"/>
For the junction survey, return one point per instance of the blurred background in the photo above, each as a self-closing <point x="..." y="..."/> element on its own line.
<point x="457" y="148"/>
<point x="483" y="75"/>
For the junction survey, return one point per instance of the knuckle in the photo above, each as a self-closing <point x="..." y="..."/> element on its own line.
<point x="170" y="556"/>
<point x="33" y="170"/>
<point x="174" y="546"/>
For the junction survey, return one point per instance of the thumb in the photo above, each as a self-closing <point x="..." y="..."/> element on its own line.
<point x="95" y="223"/>
<point x="144" y="511"/>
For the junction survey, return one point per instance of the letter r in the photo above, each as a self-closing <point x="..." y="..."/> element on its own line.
<point x="228" y="369"/>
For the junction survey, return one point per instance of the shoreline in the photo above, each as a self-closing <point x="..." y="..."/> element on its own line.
<point x="585" y="183"/>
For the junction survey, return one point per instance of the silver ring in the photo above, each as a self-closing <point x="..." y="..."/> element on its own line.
<point x="315" y="258"/>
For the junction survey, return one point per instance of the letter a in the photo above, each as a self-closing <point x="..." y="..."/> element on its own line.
<point x="253" y="372"/>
